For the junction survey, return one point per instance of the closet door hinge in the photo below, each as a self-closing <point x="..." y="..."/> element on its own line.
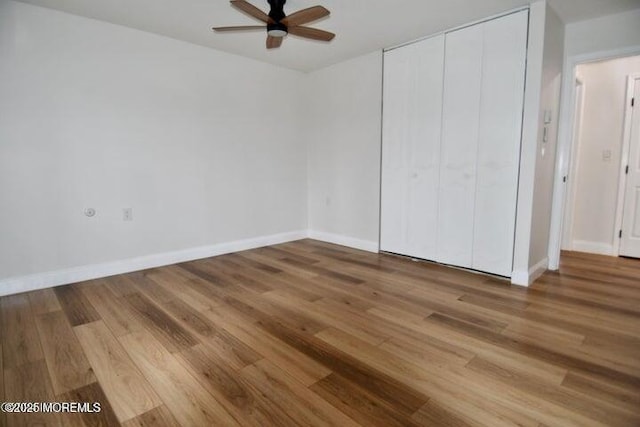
<point x="626" y="170"/>
<point x="633" y="102"/>
<point x="620" y="234"/>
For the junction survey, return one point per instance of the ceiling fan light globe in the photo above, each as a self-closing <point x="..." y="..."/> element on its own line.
<point x="277" y="33"/>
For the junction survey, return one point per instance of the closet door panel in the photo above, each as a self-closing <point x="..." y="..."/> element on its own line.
<point x="394" y="191"/>
<point x="461" y="113"/>
<point x="411" y="142"/>
<point x="499" y="136"/>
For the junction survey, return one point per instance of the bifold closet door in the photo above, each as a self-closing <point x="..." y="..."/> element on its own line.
<point x="502" y="99"/>
<point x="411" y="148"/>
<point x="480" y="156"/>
<point x="459" y="150"/>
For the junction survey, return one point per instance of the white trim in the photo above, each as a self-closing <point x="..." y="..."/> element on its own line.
<point x="520" y="278"/>
<point x="574" y="167"/>
<point x="50" y="279"/>
<point x="351" y="242"/>
<point x="624" y="161"/>
<point x="565" y="132"/>
<point x="526" y="278"/>
<point x="538" y="270"/>
<point x="593" y="247"/>
<point x="459" y="27"/>
<point x="530" y="133"/>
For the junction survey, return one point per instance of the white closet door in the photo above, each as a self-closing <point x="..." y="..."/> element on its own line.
<point x="461" y="113"/>
<point x="502" y="98"/>
<point x="411" y="143"/>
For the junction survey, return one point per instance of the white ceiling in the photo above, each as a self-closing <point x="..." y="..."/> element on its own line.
<point x="362" y="26"/>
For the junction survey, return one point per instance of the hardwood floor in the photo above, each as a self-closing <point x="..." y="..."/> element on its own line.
<point x="308" y="333"/>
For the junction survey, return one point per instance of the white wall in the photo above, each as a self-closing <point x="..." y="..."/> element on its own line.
<point x="344" y="134"/>
<point x="529" y="147"/>
<point x="594" y="217"/>
<point x="544" y="68"/>
<point x="612" y="32"/>
<point x="97" y="115"/>
<point x="546" y="151"/>
<point x="204" y="146"/>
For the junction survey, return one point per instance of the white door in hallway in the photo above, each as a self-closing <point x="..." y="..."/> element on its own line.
<point x="630" y="240"/>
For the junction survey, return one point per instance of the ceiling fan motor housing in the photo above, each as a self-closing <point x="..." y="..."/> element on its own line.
<point x="277" y="30"/>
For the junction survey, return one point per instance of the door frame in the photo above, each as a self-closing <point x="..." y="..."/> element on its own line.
<point x="624" y="158"/>
<point x="565" y="136"/>
<point x="574" y="167"/>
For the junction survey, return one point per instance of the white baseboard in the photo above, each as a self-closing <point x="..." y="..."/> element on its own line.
<point x="592" y="247"/>
<point x="351" y="242"/>
<point x="526" y="278"/>
<point x="538" y="270"/>
<point x="88" y="272"/>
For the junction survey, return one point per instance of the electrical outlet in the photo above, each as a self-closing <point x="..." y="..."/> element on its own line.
<point x="127" y="214"/>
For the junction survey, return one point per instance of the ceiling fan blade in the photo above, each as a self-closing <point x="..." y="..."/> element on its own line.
<point x="305" y="16"/>
<point x="311" y="33"/>
<point x="241" y="28"/>
<point x="252" y="10"/>
<point x="274" y="42"/>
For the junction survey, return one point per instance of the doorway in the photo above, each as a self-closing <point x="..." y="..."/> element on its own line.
<point x="578" y="108"/>
<point x="602" y="179"/>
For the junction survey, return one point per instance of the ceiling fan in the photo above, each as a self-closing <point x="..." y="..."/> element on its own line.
<point x="278" y="24"/>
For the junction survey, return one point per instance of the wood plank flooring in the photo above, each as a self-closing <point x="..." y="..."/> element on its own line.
<point x="308" y="333"/>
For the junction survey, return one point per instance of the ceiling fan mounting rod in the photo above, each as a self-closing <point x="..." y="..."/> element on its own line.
<point x="277" y="10"/>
